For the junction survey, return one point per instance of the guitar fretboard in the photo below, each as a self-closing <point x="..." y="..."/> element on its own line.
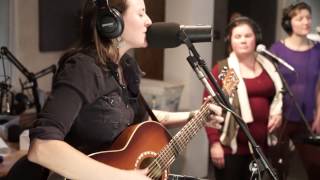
<point x="179" y="142"/>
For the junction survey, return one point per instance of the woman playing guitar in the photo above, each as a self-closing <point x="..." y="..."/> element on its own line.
<point x="95" y="96"/>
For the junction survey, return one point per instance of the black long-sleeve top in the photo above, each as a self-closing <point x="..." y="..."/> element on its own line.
<point x="88" y="107"/>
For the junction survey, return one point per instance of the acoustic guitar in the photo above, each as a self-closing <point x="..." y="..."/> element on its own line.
<point x="149" y="145"/>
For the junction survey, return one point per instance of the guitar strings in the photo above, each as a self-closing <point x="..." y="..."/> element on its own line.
<point x="191" y="129"/>
<point x="165" y="152"/>
<point x="153" y="166"/>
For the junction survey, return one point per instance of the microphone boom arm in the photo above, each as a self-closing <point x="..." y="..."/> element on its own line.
<point x="30" y="76"/>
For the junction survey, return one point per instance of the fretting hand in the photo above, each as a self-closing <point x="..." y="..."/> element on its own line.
<point x="215" y="119"/>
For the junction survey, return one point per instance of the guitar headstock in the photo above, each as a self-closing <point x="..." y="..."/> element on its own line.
<point x="230" y="81"/>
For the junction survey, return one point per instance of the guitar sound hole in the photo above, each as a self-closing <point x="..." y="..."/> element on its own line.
<point x="154" y="168"/>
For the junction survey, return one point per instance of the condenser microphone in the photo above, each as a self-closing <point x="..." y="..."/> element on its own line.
<point x="167" y="35"/>
<point x="262" y="49"/>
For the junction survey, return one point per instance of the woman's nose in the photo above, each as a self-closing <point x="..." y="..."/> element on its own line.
<point x="148" y="21"/>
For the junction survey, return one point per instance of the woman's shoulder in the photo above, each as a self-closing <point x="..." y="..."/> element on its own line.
<point x="77" y="67"/>
<point x="78" y="57"/>
<point x="78" y="62"/>
<point x="278" y="45"/>
<point x="81" y="72"/>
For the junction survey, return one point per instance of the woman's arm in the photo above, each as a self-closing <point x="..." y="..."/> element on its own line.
<point x="49" y="150"/>
<point x="63" y="159"/>
<point x="174" y="119"/>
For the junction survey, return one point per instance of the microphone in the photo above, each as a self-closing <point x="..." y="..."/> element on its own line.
<point x="262" y="49"/>
<point x="167" y="35"/>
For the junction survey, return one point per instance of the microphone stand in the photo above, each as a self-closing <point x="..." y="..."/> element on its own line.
<point x="196" y="62"/>
<point x="30" y="76"/>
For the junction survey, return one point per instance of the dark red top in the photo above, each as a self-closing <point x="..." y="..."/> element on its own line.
<point x="260" y="91"/>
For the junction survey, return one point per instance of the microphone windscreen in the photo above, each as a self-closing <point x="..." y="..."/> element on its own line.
<point x="163" y="35"/>
<point x="198" y="33"/>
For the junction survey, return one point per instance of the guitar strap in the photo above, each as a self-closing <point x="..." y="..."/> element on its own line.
<point x="151" y="114"/>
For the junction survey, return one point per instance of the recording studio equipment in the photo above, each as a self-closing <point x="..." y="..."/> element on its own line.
<point x="6" y="98"/>
<point x="20" y="101"/>
<point x="167" y="35"/>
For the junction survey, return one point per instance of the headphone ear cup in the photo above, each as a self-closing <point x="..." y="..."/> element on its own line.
<point x="286" y="24"/>
<point x="286" y="19"/>
<point x="109" y="23"/>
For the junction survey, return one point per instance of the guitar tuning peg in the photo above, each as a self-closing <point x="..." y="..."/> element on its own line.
<point x="223" y="73"/>
<point x="221" y="76"/>
<point x="224" y="69"/>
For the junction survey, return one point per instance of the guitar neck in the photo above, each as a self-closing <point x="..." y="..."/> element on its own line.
<point x="179" y="142"/>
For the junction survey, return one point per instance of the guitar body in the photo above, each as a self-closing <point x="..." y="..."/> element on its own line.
<point x="136" y="146"/>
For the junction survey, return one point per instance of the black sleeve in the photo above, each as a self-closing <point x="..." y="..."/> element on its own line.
<point x="58" y="114"/>
<point x="77" y="82"/>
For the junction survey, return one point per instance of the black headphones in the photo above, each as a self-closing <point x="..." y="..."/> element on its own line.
<point x="234" y="22"/>
<point x="287" y="16"/>
<point x="109" y="21"/>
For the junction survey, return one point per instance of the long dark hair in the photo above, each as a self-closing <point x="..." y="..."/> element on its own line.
<point x="106" y="49"/>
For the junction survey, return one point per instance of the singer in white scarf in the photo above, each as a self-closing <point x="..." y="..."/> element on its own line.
<point x="258" y="100"/>
<point x="242" y="95"/>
